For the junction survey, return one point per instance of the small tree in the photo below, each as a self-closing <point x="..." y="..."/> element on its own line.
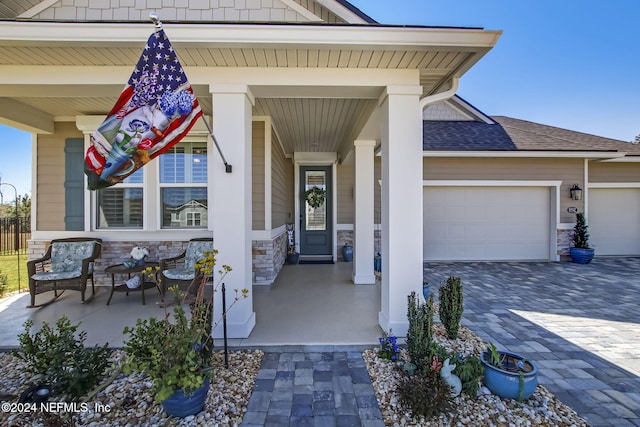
<point x="636" y="140"/>
<point x="581" y="232"/>
<point x="420" y="333"/>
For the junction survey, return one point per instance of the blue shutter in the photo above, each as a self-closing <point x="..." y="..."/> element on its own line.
<point x="74" y="184"/>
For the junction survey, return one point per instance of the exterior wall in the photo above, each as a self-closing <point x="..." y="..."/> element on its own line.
<point x="569" y="171"/>
<point x="50" y="176"/>
<point x="441" y="111"/>
<point x="268" y="259"/>
<point x="614" y="172"/>
<point x="565" y="239"/>
<point x="320" y="11"/>
<point x="281" y="185"/>
<point x="172" y="10"/>
<point x="377" y="197"/>
<point x="344" y="186"/>
<point x="257" y="171"/>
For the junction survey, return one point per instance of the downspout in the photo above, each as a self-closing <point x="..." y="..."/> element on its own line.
<point x="442" y="95"/>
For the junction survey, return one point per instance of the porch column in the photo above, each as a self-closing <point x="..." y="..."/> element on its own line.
<point x="363" y="200"/>
<point x="401" y="203"/>
<point x="231" y="202"/>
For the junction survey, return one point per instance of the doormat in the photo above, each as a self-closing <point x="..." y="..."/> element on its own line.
<point x="316" y="261"/>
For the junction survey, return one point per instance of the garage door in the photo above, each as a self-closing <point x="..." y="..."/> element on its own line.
<point x="486" y="223"/>
<point x="614" y="220"/>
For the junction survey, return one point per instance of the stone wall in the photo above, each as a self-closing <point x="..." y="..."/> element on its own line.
<point x="565" y="239"/>
<point x="268" y="258"/>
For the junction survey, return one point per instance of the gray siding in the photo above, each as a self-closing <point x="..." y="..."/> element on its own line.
<point x="281" y="185"/>
<point x="345" y="184"/>
<point x="569" y="171"/>
<point x="614" y="172"/>
<point x="257" y="171"/>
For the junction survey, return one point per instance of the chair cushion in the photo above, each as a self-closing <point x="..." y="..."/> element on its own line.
<point x="57" y="275"/>
<point x="68" y="256"/>
<point x="178" y="274"/>
<point x="194" y="253"/>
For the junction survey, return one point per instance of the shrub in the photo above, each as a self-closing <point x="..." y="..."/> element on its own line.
<point x="61" y="358"/>
<point x="451" y="306"/>
<point x="420" y="333"/>
<point x="470" y="371"/>
<point x="425" y="393"/>
<point x="4" y="284"/>
<point x="581" y="232"/>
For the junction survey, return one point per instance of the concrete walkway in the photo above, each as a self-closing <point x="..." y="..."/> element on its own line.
<point x="581" y="323"/>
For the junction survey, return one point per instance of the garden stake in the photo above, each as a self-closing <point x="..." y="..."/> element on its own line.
<point x="224" y="325"/>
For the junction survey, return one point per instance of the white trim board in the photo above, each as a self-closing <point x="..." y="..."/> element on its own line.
<point x="613" y="185"/>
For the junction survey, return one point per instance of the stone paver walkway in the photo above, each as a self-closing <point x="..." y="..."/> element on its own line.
<point x="581" y="323"/>
<point x="313" y="388"/>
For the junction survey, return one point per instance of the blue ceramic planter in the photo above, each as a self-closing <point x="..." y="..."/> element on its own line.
<point x="182" y="405"/>
<point x="347" y="253"/>
<point x="581" y="256"/>
<point x="507" y="384"/>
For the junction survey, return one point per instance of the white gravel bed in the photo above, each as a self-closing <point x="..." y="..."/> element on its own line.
<point x="130" y="402"/>
<point x="542" y="409"/>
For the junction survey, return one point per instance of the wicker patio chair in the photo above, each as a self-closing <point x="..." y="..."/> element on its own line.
<point x="67" y="264"/>
<point x="179" y="270"/>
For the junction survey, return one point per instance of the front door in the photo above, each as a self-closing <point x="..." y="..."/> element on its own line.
<point x="315" y="211"/>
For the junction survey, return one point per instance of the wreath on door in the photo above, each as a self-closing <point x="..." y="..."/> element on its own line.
<point x="315" y="196"/>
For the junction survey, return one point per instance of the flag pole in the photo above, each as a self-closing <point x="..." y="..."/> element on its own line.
<point x="228" y="168"/>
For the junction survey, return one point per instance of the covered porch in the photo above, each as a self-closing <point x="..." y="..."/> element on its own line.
<point x="311" y="304"/>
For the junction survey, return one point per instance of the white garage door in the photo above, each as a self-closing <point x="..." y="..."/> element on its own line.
<point x="614" y="220"/>
<point x="486" y="223"/>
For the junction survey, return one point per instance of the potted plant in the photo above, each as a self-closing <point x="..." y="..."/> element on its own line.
<point x="176" y="351"/>
<point x="581" y="252"/>
<point x="509" y="375"/>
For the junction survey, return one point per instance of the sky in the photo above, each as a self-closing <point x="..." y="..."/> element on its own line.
<point x="566" y="63"/>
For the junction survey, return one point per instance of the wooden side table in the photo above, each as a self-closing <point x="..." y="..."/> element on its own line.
<point x="121" y="269"/>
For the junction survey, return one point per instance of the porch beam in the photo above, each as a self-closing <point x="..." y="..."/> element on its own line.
<point x="402" y="225"/>
<point x="230" y="197"/>
<point x="363" y="239"/>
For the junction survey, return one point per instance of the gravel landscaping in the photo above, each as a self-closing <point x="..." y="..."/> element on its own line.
<point x="542" y="409"/>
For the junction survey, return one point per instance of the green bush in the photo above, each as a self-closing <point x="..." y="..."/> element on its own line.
<point x="425" y="393"/>
<point x="420" y="333"/>
<point x="470" y="371"/>
<point x="61" y="358"/>
<point x="451" y="306"/>
<point x="4" y="284"/>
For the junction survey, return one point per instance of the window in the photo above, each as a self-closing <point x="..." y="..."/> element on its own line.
<point x="121" y="206"/>
<point x="183" y="191"/>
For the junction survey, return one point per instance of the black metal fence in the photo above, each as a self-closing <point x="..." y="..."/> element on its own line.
<point x="14" y="235"/>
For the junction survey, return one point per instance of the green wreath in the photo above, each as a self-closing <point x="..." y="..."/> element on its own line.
<point x="315" y="197"/>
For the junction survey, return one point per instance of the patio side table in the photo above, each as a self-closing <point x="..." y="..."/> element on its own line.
<point x="121" y="269"/>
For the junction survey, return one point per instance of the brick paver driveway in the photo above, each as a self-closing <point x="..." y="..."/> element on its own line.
<point x="581" y="323"/>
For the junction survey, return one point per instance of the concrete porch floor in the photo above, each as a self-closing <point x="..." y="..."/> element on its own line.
<point x="312" y="304"/>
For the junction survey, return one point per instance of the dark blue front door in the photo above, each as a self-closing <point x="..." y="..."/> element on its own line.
<point x="315" y="221"/>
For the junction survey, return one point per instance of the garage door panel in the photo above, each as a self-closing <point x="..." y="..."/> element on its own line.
<point x="614" y="220"/>
<point x="486" y="223"/>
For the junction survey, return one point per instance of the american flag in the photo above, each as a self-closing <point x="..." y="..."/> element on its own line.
<point x="154" y="112"/>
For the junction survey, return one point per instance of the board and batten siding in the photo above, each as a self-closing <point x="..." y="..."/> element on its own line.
<point x="603" y="172"/>
<point x="50" y="172"/>
<point x="569" y="171"/>
<point x="281" y="185"/>
<point x="344" y="188"/>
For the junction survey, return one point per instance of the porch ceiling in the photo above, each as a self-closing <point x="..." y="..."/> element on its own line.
<point x="310" y="123"/>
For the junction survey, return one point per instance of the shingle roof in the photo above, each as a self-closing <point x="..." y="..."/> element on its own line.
<point x="465" y="135"/>
<point x="513" y="134"/>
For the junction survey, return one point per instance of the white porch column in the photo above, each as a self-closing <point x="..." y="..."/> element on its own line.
<point x="401" y="204"/>
<point x="231" y="202"/>
<point x="363" y="200"/>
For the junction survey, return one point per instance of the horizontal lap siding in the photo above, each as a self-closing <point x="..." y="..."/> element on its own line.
<point x="257" y="159"/>
<point x="50" y="170"/>
<point x="281" y="185"/>
<point x="614" y="172"/>
<point x="345" y="194"/>
<point x="569" y="171"/>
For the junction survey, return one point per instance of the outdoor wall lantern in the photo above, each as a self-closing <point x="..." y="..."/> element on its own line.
<point x="576" y="192"/>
